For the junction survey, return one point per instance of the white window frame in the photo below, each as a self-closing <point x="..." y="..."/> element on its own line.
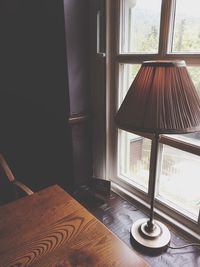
<point x="113" y="59"/>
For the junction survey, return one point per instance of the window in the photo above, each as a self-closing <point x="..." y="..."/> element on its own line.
<point x="134" y="151"/>
<point x="150" y="30"/>
<point x="140" y="24"/>
<point x="179" y="180"/>
<point x="186" y="33"/>
<point x="134" y="159"/>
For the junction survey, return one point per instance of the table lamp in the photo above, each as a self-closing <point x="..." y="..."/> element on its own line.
<point x="161" y="100"/>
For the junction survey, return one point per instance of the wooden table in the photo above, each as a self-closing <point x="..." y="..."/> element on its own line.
<point x="50" y="228"/>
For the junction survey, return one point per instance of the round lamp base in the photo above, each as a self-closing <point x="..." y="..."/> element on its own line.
<point x="155" y="240"/>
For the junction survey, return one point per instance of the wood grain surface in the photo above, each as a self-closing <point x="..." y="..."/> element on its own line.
<point x="50" y="228"/>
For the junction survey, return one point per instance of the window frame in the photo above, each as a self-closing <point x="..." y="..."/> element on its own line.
<point x="114" y="59"/>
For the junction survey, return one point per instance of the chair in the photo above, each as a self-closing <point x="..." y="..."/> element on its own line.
<point x="10" y="188"/>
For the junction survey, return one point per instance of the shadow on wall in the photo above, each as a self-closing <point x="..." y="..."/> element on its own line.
<point x="35" y="143"/>
<point x="35" y="136"/>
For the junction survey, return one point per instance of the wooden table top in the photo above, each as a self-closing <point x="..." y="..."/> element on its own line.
<point x="50" y="228"/>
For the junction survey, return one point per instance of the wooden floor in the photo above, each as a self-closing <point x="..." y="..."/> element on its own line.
<point x="118" y="215"/>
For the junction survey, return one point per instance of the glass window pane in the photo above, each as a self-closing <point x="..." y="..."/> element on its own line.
<point x="186" y="37"/>
<point x="127" y="75"/>
<point x="134" y="159"/>
<point x="140" y="25"/>
<point x="133" y="150"/>
<point x="192" y="138"/>
<point x="179" y="181"/>
<point x="195" y="75"/>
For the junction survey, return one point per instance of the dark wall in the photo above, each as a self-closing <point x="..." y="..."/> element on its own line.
<point x="34" y="102"/>
<point x="77" y="32"/>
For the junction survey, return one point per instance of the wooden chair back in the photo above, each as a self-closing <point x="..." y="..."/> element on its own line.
<point x="10" y="188"/>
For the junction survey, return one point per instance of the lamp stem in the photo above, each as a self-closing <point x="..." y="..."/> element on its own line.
<point x="148" y="233"/>
<point x="150" y="223"/>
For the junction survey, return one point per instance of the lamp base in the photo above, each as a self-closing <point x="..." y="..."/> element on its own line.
<point x="155" y="240"/>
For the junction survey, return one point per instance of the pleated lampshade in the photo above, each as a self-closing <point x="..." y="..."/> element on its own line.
<point x="161" y="99"/>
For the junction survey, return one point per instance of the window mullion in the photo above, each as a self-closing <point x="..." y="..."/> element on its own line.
<point x="179" y="144"/>
<point x="166" y="26"/>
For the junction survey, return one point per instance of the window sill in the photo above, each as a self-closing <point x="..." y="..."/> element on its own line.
<point x="174" y="225"/>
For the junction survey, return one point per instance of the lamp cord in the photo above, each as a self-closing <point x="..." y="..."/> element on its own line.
<point x="184" y="246"/>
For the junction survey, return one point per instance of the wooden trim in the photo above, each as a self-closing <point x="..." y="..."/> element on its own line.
<point x="23" y="187"/>
<point x="110" y="88"/>
<point x="179" y="144"/>
<point x="165" y="27"/>
<point x="6" y="168"/>
<point x="192" y="59"/>
<point x="78" y="118"/>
